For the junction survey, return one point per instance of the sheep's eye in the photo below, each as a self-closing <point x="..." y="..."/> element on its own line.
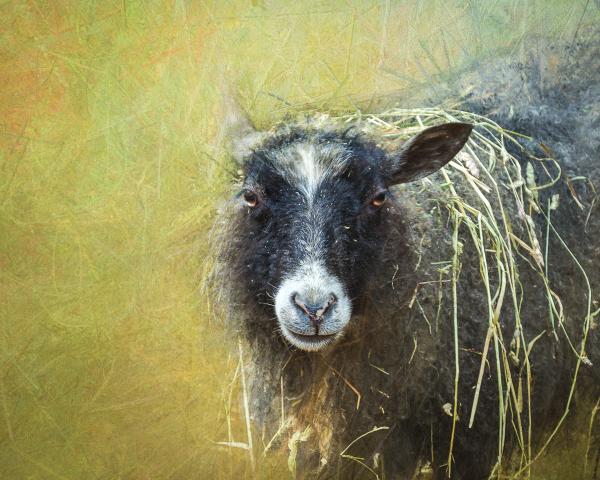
<point x="379" y="199"/>
<point x="250" y="198"/>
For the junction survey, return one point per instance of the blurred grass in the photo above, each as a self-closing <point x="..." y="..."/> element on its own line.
<point x="112" y="363"/>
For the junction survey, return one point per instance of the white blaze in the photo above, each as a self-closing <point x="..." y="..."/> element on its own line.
<point x="306" y="166"/>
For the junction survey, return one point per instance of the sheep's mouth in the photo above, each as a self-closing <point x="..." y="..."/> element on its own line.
<point x="310" y="342"/>
<point x="312" y="338"/>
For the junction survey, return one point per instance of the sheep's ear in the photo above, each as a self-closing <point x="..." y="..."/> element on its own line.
<point x="427" y="152"/>
<point x="237" y="131"/>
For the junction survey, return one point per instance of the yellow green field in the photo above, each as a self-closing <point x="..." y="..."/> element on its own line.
<point x="113" y="363"/>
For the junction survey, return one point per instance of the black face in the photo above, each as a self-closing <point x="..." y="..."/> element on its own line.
<point x="311" y="224"/>
<point x="289" y="216"/>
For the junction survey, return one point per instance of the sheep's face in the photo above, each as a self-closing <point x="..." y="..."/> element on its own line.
<point x="313" y="212"/>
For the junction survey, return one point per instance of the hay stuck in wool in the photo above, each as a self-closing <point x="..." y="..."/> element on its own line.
<point x="487" y="166"/>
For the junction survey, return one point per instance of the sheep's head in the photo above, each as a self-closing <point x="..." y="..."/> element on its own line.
<point x="311" y="215"/>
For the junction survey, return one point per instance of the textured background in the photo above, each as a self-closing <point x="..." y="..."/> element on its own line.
<point x="112" y="364"/>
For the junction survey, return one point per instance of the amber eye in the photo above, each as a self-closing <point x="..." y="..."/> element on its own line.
<point x="250" y="198"/>
<point x="379" y="199"/>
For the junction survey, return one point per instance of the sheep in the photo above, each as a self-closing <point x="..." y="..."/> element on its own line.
<point x="363" y="309"/>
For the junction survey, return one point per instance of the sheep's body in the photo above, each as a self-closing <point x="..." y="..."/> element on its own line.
<point x="395" y="366"/>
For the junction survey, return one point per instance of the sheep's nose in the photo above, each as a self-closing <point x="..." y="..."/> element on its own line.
<point x="314" y="311"/>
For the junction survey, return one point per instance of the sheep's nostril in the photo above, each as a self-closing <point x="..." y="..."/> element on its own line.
<point x="315" y="312"/>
